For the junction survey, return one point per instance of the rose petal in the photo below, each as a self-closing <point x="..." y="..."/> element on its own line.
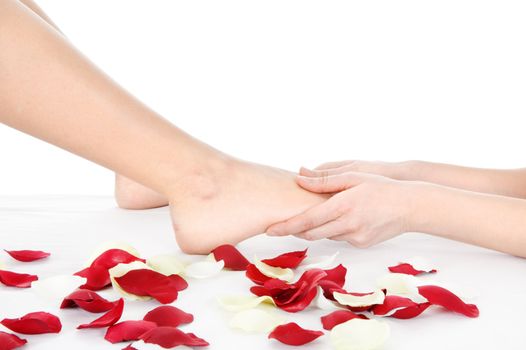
<point x="244" y="302"/>
<point x="204" y="269"/>
<point x="321" y="302"/>
<point x="97" y="274"/>
<point x="292" y="297"/>
<point x="10" y="341"/>
<point x="292" y="334"/>
<point x="360" y="299"/>
<point x="87" y="300"/>
<point x="335" y="280"/>
<point x="440" y="296"/>
<point x="27" y="255"/>
<point x="233" y="259"/>
<point x="104" y="247"/>
<point x="168" y="316"/>
<point x="256" y="321"/>
<point x="128" y="330"/>
<point x="289" y="260"/>
<point x="108" y="319"/>
<point x="391" y="304"/>
<point x="335" y="318"/>
<point x="122" y="269"/>
<point x="19" y="280"/>
<point x="410" y="312"/>
<point x="319" y="262"/>
<point x="150" y="283"/>
<point x="129" y="347"/>
<point x="166" y="264"/>
<point x="359" y="334"/>
<point x="53" y="288"/>
<point x="255" y="275"/>
<point x="274" y="272"/>
<point x="34" y="323"/>
<point x="402" y="285"/>
<point x="408" y="269"/>
<point x="169" y="337"/>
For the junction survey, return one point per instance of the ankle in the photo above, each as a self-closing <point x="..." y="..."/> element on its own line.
<point x="203" y="179"/>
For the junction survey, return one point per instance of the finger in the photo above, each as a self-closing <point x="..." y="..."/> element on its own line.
<point x="331" y="183"/>
<point x="331" y="165"/>
<point x="324" y="172"/>
<point x="336" y="227"/>
<point x="305" y="221"/>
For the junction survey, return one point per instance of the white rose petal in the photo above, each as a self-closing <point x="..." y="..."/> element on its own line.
<point x="377" y="297"/>
<point x="319" y="262"/>
<point x="120" y="270"/>
<point x="204" y="269"/>
<point x="112" y="245"/>
<point x="323" y="303"/>
<point x="2" y="265"/>
<point x="167" y="264"/>
<point x="359" y="334"/>
<point x="243" y="302"/>
<point x="402" y="285"/>
<point x="256" y="321"/>
<point x="54" y="289"/>
<point x="286" y="275"/>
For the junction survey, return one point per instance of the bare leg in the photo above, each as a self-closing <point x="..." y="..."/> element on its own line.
<point x="51" y="91"/>
<point x="128" y="193"/>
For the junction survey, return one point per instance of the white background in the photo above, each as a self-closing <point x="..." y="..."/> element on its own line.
<point x="287" y="83"/>
<point x="293" y="83"/>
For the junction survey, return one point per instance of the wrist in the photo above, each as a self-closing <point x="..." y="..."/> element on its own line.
<point x="421" y="203"/>
<point x="408" y="170"/>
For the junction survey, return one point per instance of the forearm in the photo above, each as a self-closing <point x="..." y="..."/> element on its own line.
<point x="505" y="182"/>
<point x="486" y="220"/>
<point x="36" y="9"/>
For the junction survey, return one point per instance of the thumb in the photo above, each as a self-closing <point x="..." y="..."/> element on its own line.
<point x="331" y="183"/>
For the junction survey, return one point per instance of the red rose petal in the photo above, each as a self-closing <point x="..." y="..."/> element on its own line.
<point x="440" y="296"/>
<point x="87" y="300"/>
<point x="292" y="334"/>
<point x="292" y="297"/>
<point x="411" y="312"/>
<point x="408" y="269"/>
<point x="19" y="280"/>
<point x="233" y="259"/>
<point x="169" y="337"/>
<point x="289" y="260"/>
<point x="333" y="281"/>
<point x="108" y="319"/>
<point x="255" y="275"/>
<point x="392" y="302"/>
<point x="144" y="282"/>
<point x="34" y="323"/>
<point x="129" y="347"/>
<point x="128" y="330"/>
<point x="97" y="274"/>
<point x="10" y="341"/>
<point x="27" y="255"/>
<point x="168" y="316"/>
<point x="340" y="316"/>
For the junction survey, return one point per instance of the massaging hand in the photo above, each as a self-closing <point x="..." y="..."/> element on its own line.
<point x="365" y="209"/>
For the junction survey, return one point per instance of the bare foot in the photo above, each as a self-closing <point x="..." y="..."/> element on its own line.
<point x="234" y="202"/>
<point x="132" y="195"/>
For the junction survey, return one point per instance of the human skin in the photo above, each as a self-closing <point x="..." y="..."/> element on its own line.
<point x="375" y="201"/>
<point x="50" y="90"/>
